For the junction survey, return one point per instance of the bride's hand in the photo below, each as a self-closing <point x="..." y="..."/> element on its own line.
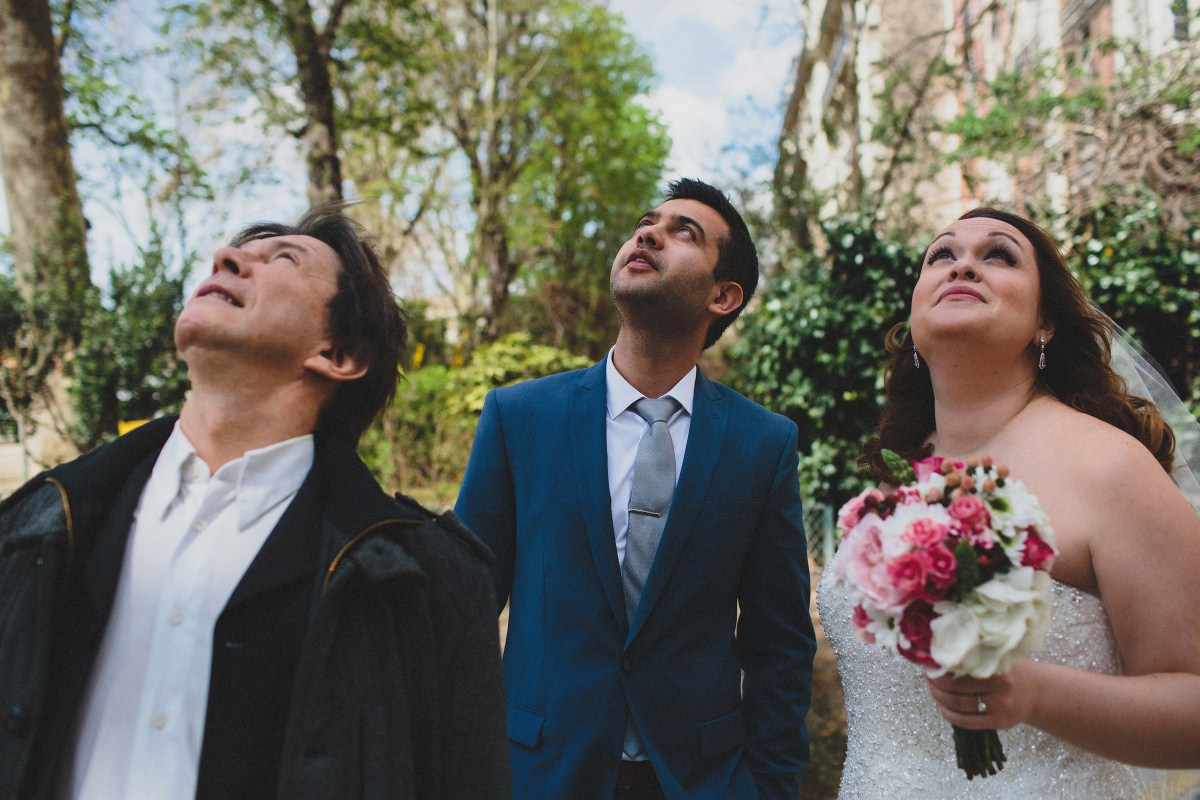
<point x="993" y="703"/>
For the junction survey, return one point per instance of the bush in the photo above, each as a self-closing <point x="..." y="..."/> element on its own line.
<point x="420" y="446"/>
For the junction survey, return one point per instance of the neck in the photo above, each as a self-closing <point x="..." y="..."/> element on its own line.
<point x="973" y="407"/>
<point x="224" y="419"/>
<point x="652" y="364"/>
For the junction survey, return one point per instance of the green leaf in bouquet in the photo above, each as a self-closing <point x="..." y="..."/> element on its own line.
<point x="967" y="573"/>
<point x="899" y="466"/>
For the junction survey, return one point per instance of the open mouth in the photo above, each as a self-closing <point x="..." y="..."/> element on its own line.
<point x="218" y="293"/>
<point x="642" y="257"/>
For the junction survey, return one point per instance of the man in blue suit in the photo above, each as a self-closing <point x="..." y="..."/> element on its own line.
<point x="692" y="681"/>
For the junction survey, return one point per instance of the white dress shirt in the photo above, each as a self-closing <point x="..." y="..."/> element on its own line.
<point x="623" y="430"/>
<point x="193" y="537"/>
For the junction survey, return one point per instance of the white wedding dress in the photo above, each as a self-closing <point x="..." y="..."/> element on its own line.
<point x="900" y="746"/>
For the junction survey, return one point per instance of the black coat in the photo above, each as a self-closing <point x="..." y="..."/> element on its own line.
<point x="358" y="656"/>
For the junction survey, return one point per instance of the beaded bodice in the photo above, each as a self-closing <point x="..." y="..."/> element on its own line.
<point x="901" y="747"/>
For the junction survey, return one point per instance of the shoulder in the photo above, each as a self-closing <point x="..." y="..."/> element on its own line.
<point x="443" y="533"/>
<point x="747" y="412"/>
<point x="1101" y="454"/>
<point x="549" y="386"/>
<point x="33" y="511"/>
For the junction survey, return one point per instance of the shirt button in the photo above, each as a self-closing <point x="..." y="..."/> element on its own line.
<point x="176" y="617"/>
<point x="158" y="721"/>
<point x="199" y="524"/>
<point x="626" y="664"/>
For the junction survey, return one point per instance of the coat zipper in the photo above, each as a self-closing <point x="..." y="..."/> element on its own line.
<point x="337" y="559"/>
<point x="62" y="491"/>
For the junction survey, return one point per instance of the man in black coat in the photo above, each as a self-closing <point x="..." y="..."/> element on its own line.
<point x="226" y="605"/>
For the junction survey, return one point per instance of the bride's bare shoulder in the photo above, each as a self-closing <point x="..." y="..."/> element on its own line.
<point x="1097" y="451"/>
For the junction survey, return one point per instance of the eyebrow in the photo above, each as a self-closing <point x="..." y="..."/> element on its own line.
<point x="280" y="243"/>
<point x="682" y="219"/>
<point x="1008" y="236"/>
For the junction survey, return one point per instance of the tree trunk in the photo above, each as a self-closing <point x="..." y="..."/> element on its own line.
<point x="48" y="236"/>
<point x="312" y="50"/>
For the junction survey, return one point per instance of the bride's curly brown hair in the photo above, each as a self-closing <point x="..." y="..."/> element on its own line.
<point x="1078" y="373"/>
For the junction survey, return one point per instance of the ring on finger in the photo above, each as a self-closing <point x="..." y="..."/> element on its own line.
<point x="980" y="706"/>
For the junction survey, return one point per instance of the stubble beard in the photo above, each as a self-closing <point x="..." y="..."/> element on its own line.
<point x="654" y="308"/>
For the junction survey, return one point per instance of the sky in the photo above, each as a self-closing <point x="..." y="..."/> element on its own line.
<point x="722" y="66"/>
<point x="723" y="70"/>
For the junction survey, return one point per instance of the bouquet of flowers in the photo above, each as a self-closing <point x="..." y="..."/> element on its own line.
<point x="950" y="571"/>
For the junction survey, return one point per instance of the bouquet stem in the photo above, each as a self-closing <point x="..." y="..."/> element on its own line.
<point x="979" y="752"/>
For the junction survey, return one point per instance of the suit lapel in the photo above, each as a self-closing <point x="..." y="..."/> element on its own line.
<point x="589" y="450"/>
<point x="710" y="416"/>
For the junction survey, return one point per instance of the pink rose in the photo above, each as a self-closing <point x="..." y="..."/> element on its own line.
<point x="1037" y="553"/>
<point x="942" y="567"/>
<point x="856" y="507"/>
<point x="861" y="564"/>
<point x="927" y="467"/>
<point x="924" y="532"/>
<point x="970" y="511"/>
<point x="907" y="494"/>
<point x="907" y="573"/>
<point x="915" y="625"/>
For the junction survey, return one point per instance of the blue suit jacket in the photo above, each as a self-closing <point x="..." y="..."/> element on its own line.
<point x="536" y="491"/>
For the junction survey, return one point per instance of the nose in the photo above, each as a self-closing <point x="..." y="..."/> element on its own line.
<point x="649" y="236"/>
<point x="228" y="259"/>
<point x="968" y="273"/>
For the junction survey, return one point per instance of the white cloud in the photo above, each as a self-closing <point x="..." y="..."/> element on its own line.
<point x="722" y="66"/>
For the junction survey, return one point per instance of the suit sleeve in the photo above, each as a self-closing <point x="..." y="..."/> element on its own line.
<point x="485" y="501"/>
<point x="776" y="638"/>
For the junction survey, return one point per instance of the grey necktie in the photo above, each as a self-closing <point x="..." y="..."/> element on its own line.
<point x="649" y="503"/>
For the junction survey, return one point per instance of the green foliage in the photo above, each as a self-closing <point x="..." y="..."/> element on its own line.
<point x="813" y="348"/>
<point x="425" y="438"/>
<point x="508" y="360"/>
<point x="1146" y="276"/>
<point x="41" y="314"/>
<point x="594" y="168"/>
<point x="125" y="366"/>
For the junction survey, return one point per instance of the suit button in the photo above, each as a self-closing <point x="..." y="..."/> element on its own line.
<point x="16" y="719"/>
<point x="626" y="664"/>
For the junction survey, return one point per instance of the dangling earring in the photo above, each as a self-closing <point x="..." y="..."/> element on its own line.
<point x="1042" y="353"/>
<point x="916" y="358"/>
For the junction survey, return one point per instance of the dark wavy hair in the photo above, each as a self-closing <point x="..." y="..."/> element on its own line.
<point x="365" y="320"/>
<point x="1078" y="374"/>
<point x="737" y="258"/>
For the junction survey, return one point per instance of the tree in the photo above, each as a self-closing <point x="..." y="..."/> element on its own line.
<point x="537" y="103"/>
<point x="44" y="209"/>
<point x="235" y="39"/>
<point x="43" y="306"/>
<point x="813" y="347"/>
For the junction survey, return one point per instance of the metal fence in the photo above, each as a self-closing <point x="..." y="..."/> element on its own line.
<point x="821" y="532"/>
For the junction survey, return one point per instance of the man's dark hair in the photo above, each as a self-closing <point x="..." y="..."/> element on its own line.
<point x="737" y="258"/>
<point x="364" y="319"/>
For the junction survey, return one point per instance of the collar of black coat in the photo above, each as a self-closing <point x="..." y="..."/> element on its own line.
<point x="351" y="502"/>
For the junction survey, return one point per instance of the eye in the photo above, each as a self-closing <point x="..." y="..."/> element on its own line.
<point x="939" y="254"/>
<point x="1002" y="254"/>
<point x="287" y="255"/>
<point x="686" y="229"/>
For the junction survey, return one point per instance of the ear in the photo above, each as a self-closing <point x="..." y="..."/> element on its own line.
<point x="328" y="364"/>
<point x="1047" y="330"/>
<point x="727" y="298"/>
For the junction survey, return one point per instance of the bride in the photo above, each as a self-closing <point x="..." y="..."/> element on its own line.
<point x="1006" y="357"/>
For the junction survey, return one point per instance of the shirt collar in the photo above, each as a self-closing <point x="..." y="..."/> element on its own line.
<point x="621" y="395"/>
<point x="257" y="481"/>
